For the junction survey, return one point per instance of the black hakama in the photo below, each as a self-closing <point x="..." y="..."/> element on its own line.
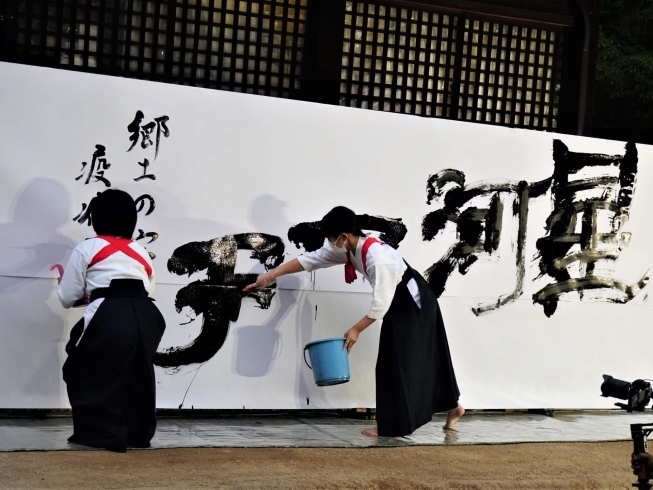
<point x="414" y="374"/>
<point x="110" y="374"/>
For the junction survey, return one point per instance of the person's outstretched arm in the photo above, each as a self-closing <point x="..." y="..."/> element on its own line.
<point x="319" y="259"/>
<point x="270" y="276"/>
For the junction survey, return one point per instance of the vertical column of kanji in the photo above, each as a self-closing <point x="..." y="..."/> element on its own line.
<point x="92" y="173"/>
<point x="146" y="139"/>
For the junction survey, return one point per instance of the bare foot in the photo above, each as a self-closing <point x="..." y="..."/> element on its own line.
<point x="453" y="416"/>
<point x="371" y="432"/>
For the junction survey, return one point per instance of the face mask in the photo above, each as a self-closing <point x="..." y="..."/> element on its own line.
<point x="340" y="250"/>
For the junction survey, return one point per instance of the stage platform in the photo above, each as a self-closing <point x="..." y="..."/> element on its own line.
<point x="50" y="434"/>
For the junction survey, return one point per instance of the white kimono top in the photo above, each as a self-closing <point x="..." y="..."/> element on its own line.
<point x="385" y="269"/>
<point x="80" y="279"/>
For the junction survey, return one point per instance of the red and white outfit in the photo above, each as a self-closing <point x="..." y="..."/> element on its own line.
<point x="94" y="263"/>
<point x="109" y="372"/>
<point x="379" y="263"/>
<point x="414" y="373"/>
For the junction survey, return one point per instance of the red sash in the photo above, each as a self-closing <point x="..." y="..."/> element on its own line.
<point x="119" y="245"/>
<point x="350" y="270"/>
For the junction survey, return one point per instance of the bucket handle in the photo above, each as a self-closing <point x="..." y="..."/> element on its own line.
<point x="309" y="366"/>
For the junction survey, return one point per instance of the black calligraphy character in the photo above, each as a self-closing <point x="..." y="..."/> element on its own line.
<point x="135" y="129"/>
<point x="160" y="127"/>
<point x="140" y="204"/>
<point x="145" y="175"/>
<point x="153" y="236"/>
<point x="478" y="229"/>
<point x="308" y="236"/>
<point x="145" y="132"/>
<point x="583" y="200"/>
<point x="85" y="215"/>
<point x="217" y="298"/>
<point x="97" y="167"/>
<point x="160" y="124"/>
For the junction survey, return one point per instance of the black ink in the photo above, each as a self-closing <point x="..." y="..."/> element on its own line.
<point x="144" y="132"/>
<point x="140" y="204"/>
<point x="392" y="230"/>
<point x="192" y="407"/>
<point x="151" y="235"/>
<point x="478" y="230"/>
<point x="96" y="169"/>
<point x="218" y="298"/>
<point x="134" y="128"/>
<point x="307" y="235"/>
<point x="160" y="125"/>
<point x="85" y="215"/>
<point x="145" y="163"/>
<point x="600" y="194"/>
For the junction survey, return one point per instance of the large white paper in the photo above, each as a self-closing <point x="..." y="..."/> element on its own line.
<point x="236" y="163"/>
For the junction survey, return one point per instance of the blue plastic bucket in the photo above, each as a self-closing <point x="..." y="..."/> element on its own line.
<point x="329" y="362"/>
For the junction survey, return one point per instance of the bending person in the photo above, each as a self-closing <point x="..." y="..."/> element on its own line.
<point x="414" y="374"/>
<point x="109" y="372"/>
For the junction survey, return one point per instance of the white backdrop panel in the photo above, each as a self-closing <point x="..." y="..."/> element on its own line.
<point x="238" y="163"/>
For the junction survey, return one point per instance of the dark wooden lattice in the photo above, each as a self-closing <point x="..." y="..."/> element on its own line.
<point x="254" y="47"/>
<point x="508" y="75"/>
<point x="397" y="59"/>
<point x="413" y="59"/>
<point x="419" y="61"/>
<point x="246" y="46"/>
<point x="127" y="37"/>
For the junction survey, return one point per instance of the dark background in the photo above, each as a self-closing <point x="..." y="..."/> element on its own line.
<point x="623" y="103"/>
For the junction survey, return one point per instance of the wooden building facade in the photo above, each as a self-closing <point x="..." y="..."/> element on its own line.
<point x="517" y="63"/>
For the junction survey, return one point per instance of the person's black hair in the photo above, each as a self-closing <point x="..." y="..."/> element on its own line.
<point x="113" y="213"/>
<point x="340" y="220"/>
